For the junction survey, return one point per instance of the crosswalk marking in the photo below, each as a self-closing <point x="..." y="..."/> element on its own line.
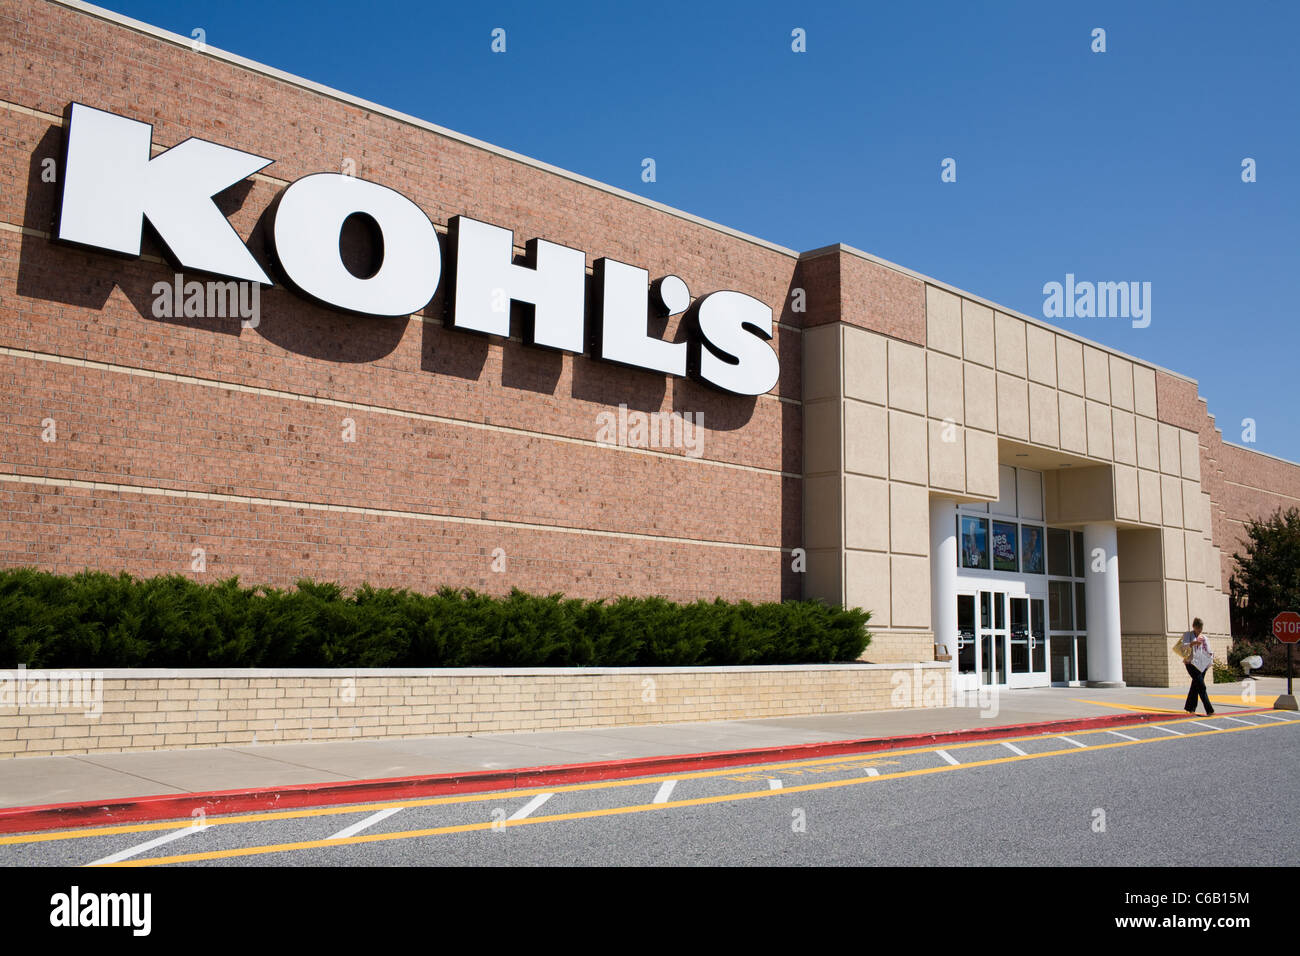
<point x="665" y="791"/>
<point x="365" y="824"/>
<point x="531" y="805"/>
<point x="148" y="845"/>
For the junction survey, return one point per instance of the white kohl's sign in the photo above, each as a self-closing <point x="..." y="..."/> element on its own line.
<point x="112" y="182"/>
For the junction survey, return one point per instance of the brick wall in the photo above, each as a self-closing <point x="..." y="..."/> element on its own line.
<point x="184" y="433"/>
<point x="154" y="710"/>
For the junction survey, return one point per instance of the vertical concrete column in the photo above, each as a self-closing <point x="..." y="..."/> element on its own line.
<point x="943" y="573"/>
<point x="1101" y="584"/>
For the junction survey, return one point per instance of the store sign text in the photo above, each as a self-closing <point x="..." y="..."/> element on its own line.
<point x="112" y="182"/>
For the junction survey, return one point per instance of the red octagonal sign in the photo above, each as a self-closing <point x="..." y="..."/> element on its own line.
<point x="1286" y="627"/>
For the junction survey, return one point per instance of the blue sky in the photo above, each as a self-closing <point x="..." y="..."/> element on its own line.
<point x="1115" y="166"/>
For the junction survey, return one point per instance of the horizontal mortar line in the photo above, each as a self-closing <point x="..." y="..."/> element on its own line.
<point x="378" y="512"/>
<point x="641" y="808"/>
<point x="378" y="409"/>
<point x="1279" y="494"/>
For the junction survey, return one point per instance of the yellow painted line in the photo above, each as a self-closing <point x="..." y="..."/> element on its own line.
<point x="876" y="758"/>
<point x="1146" y="710"/>
<point x="1265" y="701"/>
<point x="645" y="807"/>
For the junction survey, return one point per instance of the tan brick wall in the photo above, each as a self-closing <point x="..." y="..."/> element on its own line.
<point x="167" y="712"/>
<point x="1149" y="660"/>
<point x="899" y="647"/>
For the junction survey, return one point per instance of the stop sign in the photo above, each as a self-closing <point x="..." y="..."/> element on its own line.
<point x="1286" y="627"/>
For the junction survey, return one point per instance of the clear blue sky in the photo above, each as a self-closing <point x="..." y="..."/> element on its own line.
<point x="1115" y="166"/>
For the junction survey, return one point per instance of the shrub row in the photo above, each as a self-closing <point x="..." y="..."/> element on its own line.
<point x="94" y="619"/>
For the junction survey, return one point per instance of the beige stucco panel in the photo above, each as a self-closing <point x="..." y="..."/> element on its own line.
<point x="909" y="520"/>
<point x="821" y="439"/>
<point x="1176" y="617"/>
<point x="1009" y="339"/>
<point x="906" y="377"/>
<point x="1149" y="496"/>
<point x="942" y="321"/>
<point x="1013" y="407"/>
<point x="1195" y="552"/>
<point x="866" y="370"/>
<point x="1040" y="346"/>
<point x="1096" y="374"/>
<point x="981" y="398"/>
<point x="947" y="456"/>
<point x="1124" y="431"/>
<point x="944" y="386"/>
<point x="821" y="362"/>
<point x="866" y="439"/>
<point x="1140" y="555"/>
<point x="981" y="464"/>
<point x="1190" y="444"/>
<point x="1074" y="425"/>
<point x="1175" y="553"/>
<point x="1192" y="505"/>
<point x="1148" y="443"/>
<point x="822" y="579"/>
<point x="1044" y="416"/>
<point x="866" y="513"/>
<point x="1141" y="607"/>
<point x="977" y="332"/>
<point x="1099" y="435"/>
<point x="822" y="512"/>
<point x="1126" y="493"/>
<point x="1144" y="391"/>
<point x="1121" y="383"/>
<point x="1069" y="365"/>
<point x="910" y="588"/>
<point x="1171" y="450"/>
<point x="1171" y="500"/>
<point x="866" y="584"/>
<point x="907" y="448"/>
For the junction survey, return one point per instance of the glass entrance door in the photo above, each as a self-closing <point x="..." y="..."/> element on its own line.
<point x="1002" y="640"/>
<point x="1028" y="643"/>
<point x="993" y="636"/>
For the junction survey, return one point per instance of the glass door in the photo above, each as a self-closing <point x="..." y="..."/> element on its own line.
<point x="1028" y="636"/>
<point x="993" y="637"/>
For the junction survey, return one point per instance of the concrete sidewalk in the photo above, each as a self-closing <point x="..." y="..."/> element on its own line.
<point x="39" y="781"/>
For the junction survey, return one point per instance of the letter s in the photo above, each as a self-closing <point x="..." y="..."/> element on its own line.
<point x="731" y="352"/>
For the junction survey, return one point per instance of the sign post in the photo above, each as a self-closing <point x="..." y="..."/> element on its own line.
<point x="1286" y="628"/>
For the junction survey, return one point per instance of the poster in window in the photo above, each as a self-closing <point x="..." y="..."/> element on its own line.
<point x="1004" y="547"/>
<point x="1031" y="546"/>
<point x="974" y="542"/>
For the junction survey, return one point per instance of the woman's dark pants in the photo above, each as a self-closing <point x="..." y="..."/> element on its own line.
<point x="1197" y="689"/>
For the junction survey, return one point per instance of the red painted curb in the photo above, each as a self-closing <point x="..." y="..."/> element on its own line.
<point x="222" y="802"/>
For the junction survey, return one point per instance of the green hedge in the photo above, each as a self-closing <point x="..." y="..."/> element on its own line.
<point x="94" y="619"/>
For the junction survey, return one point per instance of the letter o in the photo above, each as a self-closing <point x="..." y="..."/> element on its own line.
<point x="305" y="233"/>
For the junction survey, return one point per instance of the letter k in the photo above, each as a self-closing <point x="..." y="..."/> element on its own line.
<point x="111" y="182"/>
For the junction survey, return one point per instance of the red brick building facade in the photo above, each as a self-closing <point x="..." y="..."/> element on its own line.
<point x="399" y="451"/>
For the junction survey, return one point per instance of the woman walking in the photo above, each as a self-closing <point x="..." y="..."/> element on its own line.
<point x="1197" y="659"/>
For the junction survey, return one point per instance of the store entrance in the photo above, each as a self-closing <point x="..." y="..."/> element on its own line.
<point x="1002" y="640"/>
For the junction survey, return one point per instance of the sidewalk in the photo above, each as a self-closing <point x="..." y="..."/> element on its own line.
<point x="41" y="781"/>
